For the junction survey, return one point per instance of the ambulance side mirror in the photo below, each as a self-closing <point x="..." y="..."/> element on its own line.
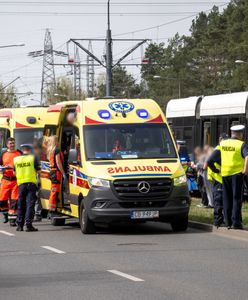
<point x="72" y="159"/>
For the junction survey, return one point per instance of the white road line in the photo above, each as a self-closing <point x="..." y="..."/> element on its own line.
<point x="6" y="233"/>
<point x="53" y="249"/>
<point x="125" y="275"/>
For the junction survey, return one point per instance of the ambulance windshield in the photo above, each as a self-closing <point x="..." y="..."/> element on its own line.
<point x="27" y="136"/>
<point x="128" y="141"/>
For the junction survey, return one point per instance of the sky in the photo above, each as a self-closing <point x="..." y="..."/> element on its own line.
<point x="25" y="22"/>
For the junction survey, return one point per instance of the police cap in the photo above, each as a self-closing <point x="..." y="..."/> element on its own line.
<point x="26" y="147"/>
<point x="237" y="128"/>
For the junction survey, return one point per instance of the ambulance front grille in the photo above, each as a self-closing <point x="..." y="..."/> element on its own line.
<point x="160" y="188"/>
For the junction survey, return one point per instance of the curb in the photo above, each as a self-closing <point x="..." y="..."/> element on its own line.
<point x="235" y="234"/>
<point x="201" y="226"/>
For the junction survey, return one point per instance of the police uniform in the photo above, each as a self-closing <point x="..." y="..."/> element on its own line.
<point x="26" y="167"/>
<point x="9" y="188"/>
<point x="233" y="152"/>
<point x="214" y="174"/>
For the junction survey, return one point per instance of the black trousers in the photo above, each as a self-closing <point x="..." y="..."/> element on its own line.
<point x="26" y="203"/>
<point x="218" y="203"/>
<point x="232" y="199"/>
<point x="202" y="190"/>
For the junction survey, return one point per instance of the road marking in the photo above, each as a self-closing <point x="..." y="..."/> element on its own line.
<point x="125" y="275"/>
<point x="53" y="249"/>
<point x="6" y="233"/>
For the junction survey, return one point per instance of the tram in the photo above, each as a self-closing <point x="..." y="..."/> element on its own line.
<point x="200" y="120"/>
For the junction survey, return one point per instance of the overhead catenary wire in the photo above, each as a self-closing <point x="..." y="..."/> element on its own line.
<point x="116" y="4"/>
<point x="166" y="23"/>
<point x="28" y="64"/>
<point x="93" y="3"/>
<point x="90" y="14"/>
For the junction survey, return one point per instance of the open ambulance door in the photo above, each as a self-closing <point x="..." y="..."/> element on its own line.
<point x="54" y="115"/>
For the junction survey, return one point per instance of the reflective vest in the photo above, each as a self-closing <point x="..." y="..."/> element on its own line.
<point x="232" y="161"/>
<point x="212" y="175"/>
<point x="25" y="170"/>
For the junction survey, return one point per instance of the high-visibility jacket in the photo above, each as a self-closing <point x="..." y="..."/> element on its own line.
<point x="232" y="161"/>
<point x="25" y="169"/>
<point x="215" y="176"/>
<point x="7" y="159"/>
<point x="212" y="175"/>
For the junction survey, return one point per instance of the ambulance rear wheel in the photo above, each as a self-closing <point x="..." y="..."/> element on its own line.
<point x="86" y="225"/>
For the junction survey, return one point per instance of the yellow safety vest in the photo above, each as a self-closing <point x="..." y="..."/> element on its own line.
<point x="232" y="161"/>
<point x="212" y="175"/>
<point x="24" y="169"/>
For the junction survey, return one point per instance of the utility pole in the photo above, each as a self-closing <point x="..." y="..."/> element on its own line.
<point x="109" y="57"/>
<point x="90" y="74"/>
<point x="109" y="65"/>
<point x="77" y="75"/>
<point x="48" y="74"/>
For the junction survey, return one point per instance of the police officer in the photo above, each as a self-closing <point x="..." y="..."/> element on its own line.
<point x="214" y="162"/>
<point x="26" y="168"/>
<point x="234" y="165"/>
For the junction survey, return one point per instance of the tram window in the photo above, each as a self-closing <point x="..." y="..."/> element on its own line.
<point x="207" y="133"/>
<point x="235" y="123"/>
<point x="178" y="133"/>
<point x="188" y="137"/>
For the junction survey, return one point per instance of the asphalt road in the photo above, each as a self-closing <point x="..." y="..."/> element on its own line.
<point x="136" y="262"/>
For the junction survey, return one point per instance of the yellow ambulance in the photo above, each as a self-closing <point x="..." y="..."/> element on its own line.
<point x="25" y="124"/>
<point x="122" y="164"/>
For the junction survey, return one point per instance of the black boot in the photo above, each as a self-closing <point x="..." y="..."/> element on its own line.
<point x="31" y="229"/>
<point x="19" y="228"/>
<point x="6" y="218"/>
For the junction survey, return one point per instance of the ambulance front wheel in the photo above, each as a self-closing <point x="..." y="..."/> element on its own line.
<point x="180" y="225"/>
<point x="86" y="225"/>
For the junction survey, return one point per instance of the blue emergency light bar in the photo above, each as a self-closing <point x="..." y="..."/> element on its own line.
<point x="104" y="114"/>
<point x="142" y="113"/>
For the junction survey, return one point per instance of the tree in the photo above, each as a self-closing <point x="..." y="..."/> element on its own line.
<point x="63" y="91"/>
<point x="124" y="85"/>
<point x="8" y="97"/>
<point x="202" y="63"/>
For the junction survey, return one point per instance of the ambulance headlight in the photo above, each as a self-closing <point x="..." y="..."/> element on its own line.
<point x="97" y="182"/>
<point x="181" y="180"/>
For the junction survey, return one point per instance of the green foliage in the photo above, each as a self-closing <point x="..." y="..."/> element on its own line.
<point x="63" y="91"/>
<point x="8" y="97"/>
<point x="124" y="85"/>
<point x="204" y="62"/>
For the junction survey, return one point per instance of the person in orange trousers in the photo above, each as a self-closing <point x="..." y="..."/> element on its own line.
<point x="9" y="187"/>
<point x="57" y="173"/>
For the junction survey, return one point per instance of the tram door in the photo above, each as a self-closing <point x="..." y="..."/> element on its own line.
<point x="207" y="133"/>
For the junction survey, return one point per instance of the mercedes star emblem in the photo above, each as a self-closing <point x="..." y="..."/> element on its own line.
<point x="144" y="187"/>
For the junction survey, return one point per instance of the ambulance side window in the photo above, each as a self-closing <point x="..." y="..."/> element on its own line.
<point x="4" y="135"/>
<point x="75" y="144"/>
<point x="49" y="130"/>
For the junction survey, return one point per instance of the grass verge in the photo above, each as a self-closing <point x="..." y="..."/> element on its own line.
<point x="206" y="215"/>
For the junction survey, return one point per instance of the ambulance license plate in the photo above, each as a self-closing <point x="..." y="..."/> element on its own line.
<point x="147" y="214"/>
